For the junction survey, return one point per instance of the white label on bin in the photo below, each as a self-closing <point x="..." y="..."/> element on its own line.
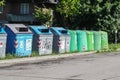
<point x="1" y="44"/>
<point x="63" y="44"/>
<point x="28" y="44"/>
<point x="21" y="44"/>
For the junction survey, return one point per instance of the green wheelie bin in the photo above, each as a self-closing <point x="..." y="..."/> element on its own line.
<point x="73" y="40"/>
<point x="81" y="41"/>
<point x="104" y="40"/>
<point x="97" y="40"/>
<point x="90" y="40"/>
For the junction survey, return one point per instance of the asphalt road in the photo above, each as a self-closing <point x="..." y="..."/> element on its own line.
<point x="86" y="67"/>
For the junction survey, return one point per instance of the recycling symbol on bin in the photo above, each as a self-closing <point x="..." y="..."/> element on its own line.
<point x="21" y="44"/>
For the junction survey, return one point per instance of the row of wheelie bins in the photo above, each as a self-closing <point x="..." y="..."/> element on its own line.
<point x="88" y="40"/>
<point x="21" y="40"/>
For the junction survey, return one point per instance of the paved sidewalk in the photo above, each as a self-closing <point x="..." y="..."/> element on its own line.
<point x="10" y="62"/>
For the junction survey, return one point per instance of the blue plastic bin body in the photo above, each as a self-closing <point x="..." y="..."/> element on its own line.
<point x="61" y="40"/>
<point x="42" y="39"/>
<point x="19" y="43"/>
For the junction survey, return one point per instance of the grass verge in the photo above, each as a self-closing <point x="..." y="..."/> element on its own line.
<point x="34" y="54"/>
<point x="112" y="48"/>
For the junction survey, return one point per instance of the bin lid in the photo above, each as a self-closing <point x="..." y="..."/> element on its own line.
<point x="81" y="32"/>
<point x="103" y="32"/>
<point x="59" y="31"/>
<point x="96" y="32"/>
<point x="18" y="28"/>
<point x="89" y="32"/>
<point x="2" y="31"/>
<point x="40" y="30"/>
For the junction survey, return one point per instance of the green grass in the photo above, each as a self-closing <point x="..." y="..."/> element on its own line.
<point x="34" y="54"/>
<point x="112" y="48"/>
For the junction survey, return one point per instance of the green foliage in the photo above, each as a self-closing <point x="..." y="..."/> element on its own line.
<point x="68" y="7"/>
<point x="10" y="56"/>
<point x="1" y="2"/>
<point x="112" y="48"/>
<point x="42" y="16"/>
<point x="34" y="54"/>
<point x="92" y="15"/>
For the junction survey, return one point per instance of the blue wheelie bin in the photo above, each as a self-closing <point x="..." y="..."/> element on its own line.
<point x="61" y="40"/>
<point x="3" y="37"/>
<point x="19" y="41"/>
<point x="42" y="39"/>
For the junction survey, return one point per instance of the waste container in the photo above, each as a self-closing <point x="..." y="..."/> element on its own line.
<point x="90" y="40"/>
<point x="42" y="39"/>
<point x="81" y="40"/>
<point x="104" y="40"/>
<point x="61" y="39"/>
<point x="3" y="37"/>
<point x="97" y="40"/>
<point x="19" y="41"/>
<point x="73" y="40"/>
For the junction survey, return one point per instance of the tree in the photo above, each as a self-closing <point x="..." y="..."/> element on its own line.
<point x="101" y="15"/>
<point x="1" y="2"/>
<point x="109" y="19"/>
<point x="42" y="15"/>
<point x="68" y="9"/>
<point x="91" y="15"/>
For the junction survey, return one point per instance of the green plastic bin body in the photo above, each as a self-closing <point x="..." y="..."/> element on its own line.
<point x="97" y="40"/>
<point x="104" y="40"/>
<point x="81" y="41"/>
<point x="90" y="40"/>
<point x="73" y="41"/>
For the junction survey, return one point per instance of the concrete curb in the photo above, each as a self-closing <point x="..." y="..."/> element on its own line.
<point x="10" y="62"/>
